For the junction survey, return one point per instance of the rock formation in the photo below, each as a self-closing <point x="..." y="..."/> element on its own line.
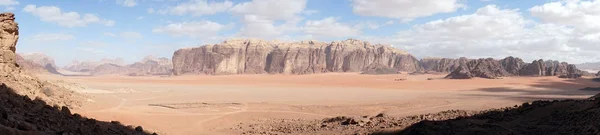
<point x="14" y="76"/>
<point x="26" y="102"/>
<point x="443" y="65"/>
<point x="250" y="56"/>
<point x="511" y="66"/>
<point x="379" y="69"/>
<point x="540" y="117"/>
<point x="484" y="68"/>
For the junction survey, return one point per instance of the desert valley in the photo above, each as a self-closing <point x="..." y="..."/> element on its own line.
<point x="260" y="86"/>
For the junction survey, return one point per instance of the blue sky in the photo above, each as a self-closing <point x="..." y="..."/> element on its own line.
<point x="87" y="30"/>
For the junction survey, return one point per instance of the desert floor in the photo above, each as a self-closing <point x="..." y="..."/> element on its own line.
<point x="216" y="104"/>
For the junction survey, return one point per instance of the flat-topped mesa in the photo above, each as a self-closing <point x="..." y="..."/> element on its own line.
<point x="254" y="56"/>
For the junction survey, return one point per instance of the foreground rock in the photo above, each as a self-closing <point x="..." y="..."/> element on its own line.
<point x="540" y="117"/>
<point x="26" y="102"/>
<point x="251" y="56"/>
<point x="15" y="77"/>
<point x="344" y="124"/>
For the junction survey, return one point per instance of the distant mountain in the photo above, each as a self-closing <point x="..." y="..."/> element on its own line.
<point x="37" y="63"/>
<point x="149" y="65"/>
<point x="590" y="66"/>
<point x="87" y="66"/>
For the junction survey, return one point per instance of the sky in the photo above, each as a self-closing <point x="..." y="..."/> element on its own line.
<point x="89" y="30"/>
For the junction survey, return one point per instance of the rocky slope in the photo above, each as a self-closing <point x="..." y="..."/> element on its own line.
<point x="251" y="56"/>
<point x="511" y="66"/>
<point x="578" y="117"/>
<point x="14" y="76"/>
<point x="26" y="102"/>
<point x="443" y="65"/>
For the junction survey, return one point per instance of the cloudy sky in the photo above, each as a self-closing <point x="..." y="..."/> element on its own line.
<point x="566" y="30"/>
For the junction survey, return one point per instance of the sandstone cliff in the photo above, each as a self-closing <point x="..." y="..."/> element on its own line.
<point x="250" y="56"/>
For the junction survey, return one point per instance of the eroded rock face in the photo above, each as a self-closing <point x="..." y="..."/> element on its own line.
<point x="512" y="66"/>
<point x="379" y="69"/>
<point x="443" y="65"/>
<point x="484" y="68"/>
<point x="88" y="66"/>
<point x="22" y="82"/>
<point x="37" y="63"/>
<point x="251" y="56"/>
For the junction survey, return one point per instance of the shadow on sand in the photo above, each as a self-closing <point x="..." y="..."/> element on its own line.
<point x="20" y="115"/>
<point x="542" y="117"/>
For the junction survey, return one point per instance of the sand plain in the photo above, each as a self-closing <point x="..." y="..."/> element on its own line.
<point x="183" y="105"/>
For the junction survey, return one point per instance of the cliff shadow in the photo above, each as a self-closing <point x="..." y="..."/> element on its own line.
<point x="19" y="115"/>
<point x="544" y="90"/>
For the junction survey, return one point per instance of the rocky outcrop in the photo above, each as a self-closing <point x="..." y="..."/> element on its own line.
<point x="442" y="65"/>
<point x="484" y="68"/>
<point x="379" y="69"/>
<point x="512" y="66"/>
<point x="250" y="56"/>
<point x="22" y="82"/>
<point x="29" y="106"/>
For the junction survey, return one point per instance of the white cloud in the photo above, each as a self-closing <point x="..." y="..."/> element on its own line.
<point x="67" y="19"/>
<point x="193" y="29"/>
<point x="329" y="27"/>
<point x="140" y="18"/>
<point x="197" y="8"/>
<point x="8" y="2"/>
<point x="497" y="33"/>
<point x="50" y="37"/>
<point x="259" y="21"/>
<point x="131" y="35"/>
<point x="109" y="34"/>
<point x="127" y="3"/>
<point x="404" y="9"/>
<point x="284" y="9"/>
<point x="93" y="43"/>
<point x="575" y="13"/>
